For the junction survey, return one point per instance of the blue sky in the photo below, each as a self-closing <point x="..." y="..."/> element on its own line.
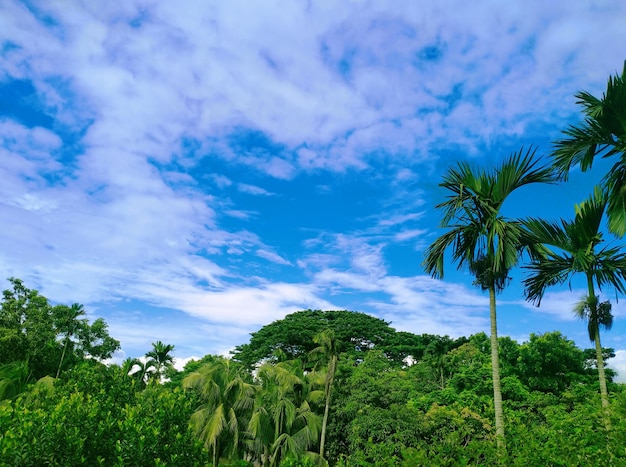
<point x="191" y="173"/>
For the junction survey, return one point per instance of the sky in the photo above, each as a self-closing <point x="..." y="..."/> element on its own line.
<point x="191" y="171"/>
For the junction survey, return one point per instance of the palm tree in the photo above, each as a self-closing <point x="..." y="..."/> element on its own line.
<point x="138" y="370"/>
<point x="161" y="358"/>
<point x="69" y="324"/>
<point x="603" y="134"/>
<point x="571" y="248"/>
<point x="483" y="239"/>
<point x="227" y="399"/>
<point x="283" y="423"/>
<point x="328" y="348"/>
<point x="130" y="364"/>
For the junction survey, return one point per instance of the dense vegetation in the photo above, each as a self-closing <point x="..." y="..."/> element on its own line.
<point x="437" y="411"/>
<point x="345" y="388"/>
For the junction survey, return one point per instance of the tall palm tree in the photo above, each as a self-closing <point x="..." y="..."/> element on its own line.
<point x="161" y="358"/>
<point x="602" y="134"/>
<point x="328" y="348"/>
<point x="227" y="400"/>
<point x="68" y="318"/>
<point x="482" y="239"/>
<point x="570" y="248"/>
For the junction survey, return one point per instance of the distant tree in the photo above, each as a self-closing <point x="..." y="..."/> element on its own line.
<point x="550" y="363"/>
<point x="95" y="340"/>
<point x="48" y="338"/>
<point x="591" y="360"/>
<point x="68" y="321"/>
<point x="436" y="355"/>
<point x="161" y="358"/>
<point x="27" y="330"/>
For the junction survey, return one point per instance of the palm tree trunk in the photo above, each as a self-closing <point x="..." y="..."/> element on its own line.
<point x="495" y="370"/>
<point x="67" y="338"/>
<point x="329" y="387"/>
<point x="604" y="393"/>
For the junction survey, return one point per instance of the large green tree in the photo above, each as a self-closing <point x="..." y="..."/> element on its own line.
<point x="550" y="363"/>
<point x="575" y="248"/>
<point x="481" y="238"/>
<point x="601" y="134"/>
<point x="27" y="330"/>
<point x="293" y="336"/>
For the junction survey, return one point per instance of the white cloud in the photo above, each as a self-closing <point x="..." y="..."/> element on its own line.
<point x="560" y="304"/>
<point x="246" y="305"/>
<point x="196" y="71"/>
<point x="618" y="363"/>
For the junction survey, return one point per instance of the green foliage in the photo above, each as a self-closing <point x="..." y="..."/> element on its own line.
<point x="97" y="418"/>
<point x="283" y="423"/>
<point x="226" y="398"/>
<point x="550" y="363"/>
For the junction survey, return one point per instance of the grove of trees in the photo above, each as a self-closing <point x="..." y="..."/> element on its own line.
<point x="344" y="388"/>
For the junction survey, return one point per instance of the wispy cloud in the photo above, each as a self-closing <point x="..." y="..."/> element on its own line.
<point x="273" y="257"/>
<point x="560" y="304"/>
<point x="252" y="190"/>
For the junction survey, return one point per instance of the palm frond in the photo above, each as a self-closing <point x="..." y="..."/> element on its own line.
<point x="601" y="134"/>
<point x="551" y="270"/>
<point x="615" y="183"/>
<point x="518" y="170"/>
<point x="478" y="236"/>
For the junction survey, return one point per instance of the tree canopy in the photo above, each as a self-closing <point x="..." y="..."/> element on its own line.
<point x="356" y="333"/>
